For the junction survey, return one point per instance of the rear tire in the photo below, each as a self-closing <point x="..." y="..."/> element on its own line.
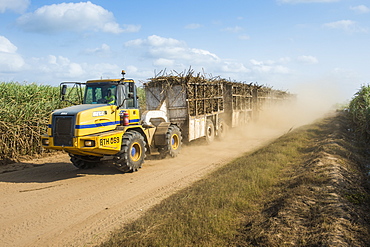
<point x="84" y="162"/>
<point x="132" y="154"/>
<point x="173" y="143"/>
<point x="222" y="129"/>
<point x="210" y="132"/>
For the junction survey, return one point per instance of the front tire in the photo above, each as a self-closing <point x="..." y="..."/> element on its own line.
<point x="84" y="162"/>
<point x="132" y="154"/>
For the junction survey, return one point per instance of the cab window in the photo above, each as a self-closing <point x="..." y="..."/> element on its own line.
<point x="96" y="94"/>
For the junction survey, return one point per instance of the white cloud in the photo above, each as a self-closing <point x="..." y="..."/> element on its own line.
<point x="284" y="60"/>
<point x="18" y="6"/>
<point x="155" y="41"/>
<point x="6" y="46"/>
<point x="234" y="67"/>
<point x="361" y="9"/>
<point x="59" y="66"/>
<point x="53" y="69"/>
<point x="307" y="59"/>
<point x="204" y="54"/>
<point x="10" y="60"/>
<point x="158" y="41"/>
<point x="307" y="1"/>
<point x="103" y="49"/>
<point x="235" y="29"/>
<point x="193" y="26"/>
<point x="131" y="28"/>
<point x="345" y="25"/>
<point x="244" y="37"/>
<point x="163" y="62"/>
<point x="269" y="66"/>
<point x="72" y="17"/>
<point x="169" y="49"/>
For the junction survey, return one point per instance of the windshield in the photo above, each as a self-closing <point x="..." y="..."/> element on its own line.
<point x="100" y="94"/>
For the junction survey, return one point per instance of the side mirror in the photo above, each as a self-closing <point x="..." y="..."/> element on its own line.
<point x="131" y="87"/>
<point x="63" y="91"/>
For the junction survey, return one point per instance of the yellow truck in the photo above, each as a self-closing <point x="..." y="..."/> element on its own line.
<point x="107" y="126"/>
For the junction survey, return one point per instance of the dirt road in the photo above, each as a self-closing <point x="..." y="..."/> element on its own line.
<point x="51" y="203"/>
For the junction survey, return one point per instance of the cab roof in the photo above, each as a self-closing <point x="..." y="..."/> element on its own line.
<point x="109" y="81"/>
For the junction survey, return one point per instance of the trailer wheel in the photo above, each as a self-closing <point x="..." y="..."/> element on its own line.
<point x="210" y="131"/>
<point x="84" y="162"/>
<point x="132" y="154"/>
<point x="173" y="143"/>
<point x="222" y="129"/>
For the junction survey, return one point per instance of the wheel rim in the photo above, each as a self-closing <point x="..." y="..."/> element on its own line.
<point x="175" y="142"/>
<point x="209" y="131"/>
<point x="135" y="151"/>
<point x="221" y="128"/>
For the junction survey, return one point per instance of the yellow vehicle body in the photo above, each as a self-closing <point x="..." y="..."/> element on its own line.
<point x="96" y="133"/>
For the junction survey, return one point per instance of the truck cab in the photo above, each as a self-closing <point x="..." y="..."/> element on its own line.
<point x="113" y="92"/>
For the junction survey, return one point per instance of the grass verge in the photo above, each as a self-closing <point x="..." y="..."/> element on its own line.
<point x="219" y="209"/>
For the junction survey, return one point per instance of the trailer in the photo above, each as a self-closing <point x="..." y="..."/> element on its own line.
<point x="205" y="108"/>
<point x="196" y="106"/>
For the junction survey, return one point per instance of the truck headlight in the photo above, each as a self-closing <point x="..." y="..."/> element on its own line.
<point x="45" y="142"/>
<point x="89" y="143"/>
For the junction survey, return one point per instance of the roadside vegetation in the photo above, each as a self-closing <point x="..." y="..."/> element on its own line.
<point x="24" y="110"/>
<point x="359" y="109"/>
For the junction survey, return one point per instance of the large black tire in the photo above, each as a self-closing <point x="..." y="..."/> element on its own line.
<point x="84" y="162"/>
<point x="222" y="129"/>
<point x="132" y="154"/>
<point x="173" y="143"/>
<point x="210" y="131"/>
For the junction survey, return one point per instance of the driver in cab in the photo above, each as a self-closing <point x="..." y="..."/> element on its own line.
<point x="110" y="99"/>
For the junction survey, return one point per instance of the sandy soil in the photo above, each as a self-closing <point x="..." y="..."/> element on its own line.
<point x="48" y="202"/>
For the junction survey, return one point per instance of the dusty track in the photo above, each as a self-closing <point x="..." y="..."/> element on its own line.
<point x="54" y="204"/>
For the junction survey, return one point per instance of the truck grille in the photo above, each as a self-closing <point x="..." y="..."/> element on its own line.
<point x="63" y="130"/>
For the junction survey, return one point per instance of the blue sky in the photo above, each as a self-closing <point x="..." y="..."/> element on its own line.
<point x="294" y="45"/>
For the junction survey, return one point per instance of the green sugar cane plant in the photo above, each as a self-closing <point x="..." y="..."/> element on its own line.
<point x="359" y="109"/>
<point x="24" y="113"/>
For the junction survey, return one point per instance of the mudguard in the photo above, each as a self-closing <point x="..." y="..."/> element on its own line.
<point x="160" y="134"/>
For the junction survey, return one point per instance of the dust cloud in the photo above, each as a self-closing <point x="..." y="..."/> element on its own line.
<point x="311" y="101"/>
<point x="274" y="120"/>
